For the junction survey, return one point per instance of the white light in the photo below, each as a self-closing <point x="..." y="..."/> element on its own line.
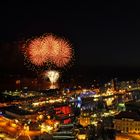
<point x="52" y="75"/>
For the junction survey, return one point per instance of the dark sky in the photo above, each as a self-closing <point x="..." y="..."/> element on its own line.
<point x="103" y="33"/>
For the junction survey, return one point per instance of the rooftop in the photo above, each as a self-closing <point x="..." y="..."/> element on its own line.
<point x="135" y="115"/>
<point x="16" y="110"/>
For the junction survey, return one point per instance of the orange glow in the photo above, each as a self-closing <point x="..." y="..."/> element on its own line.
<point x="37" y="52"/>
<point x="81" y="136"/>
<point x="48" y="49"/>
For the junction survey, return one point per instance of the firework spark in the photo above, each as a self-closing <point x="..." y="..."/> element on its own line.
<point x="37" y="52"/>
<point x="61" y="54"/>
<point x="53" y="75"/>
<point x="48" y="49"/>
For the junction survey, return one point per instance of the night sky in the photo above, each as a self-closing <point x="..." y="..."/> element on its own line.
<point x="102" y="33"/>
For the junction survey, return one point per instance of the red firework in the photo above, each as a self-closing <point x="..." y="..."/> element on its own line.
<point x="48" y="48"/>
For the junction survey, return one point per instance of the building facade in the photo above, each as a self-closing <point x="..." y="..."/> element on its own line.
<point x="127" y="122"/>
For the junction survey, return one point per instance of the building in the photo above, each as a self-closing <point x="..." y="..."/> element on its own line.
<point x="84" y="119"/>
<point x="82" y="136"/>
<point x="122" y="137"/>
<point x="127" y="122"/>
<point x="15" y="112"/>
<point x="66" y="131"/>
<point x="133" y="106"/>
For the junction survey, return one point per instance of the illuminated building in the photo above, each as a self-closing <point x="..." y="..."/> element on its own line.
<point x="84" y="119"/>
<point x="114" y="84"/>
<point x="82" y="137"/>
<point x="63" y="109"/>
<point x="127" y="122"/>
<point x="63" y="113"/>
<point x="49" y="126"/>
<point x="122" y="137"/>
<point x="109" y="101"/>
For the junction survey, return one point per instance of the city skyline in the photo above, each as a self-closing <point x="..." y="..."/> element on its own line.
<point x="69" y="70"/>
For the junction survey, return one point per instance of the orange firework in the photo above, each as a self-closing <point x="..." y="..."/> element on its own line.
<point x="37" y="52"/>
<point x="48" y="49"/>
<point x="61" y="54"/>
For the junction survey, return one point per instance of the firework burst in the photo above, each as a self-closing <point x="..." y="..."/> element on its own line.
<point x="61" y="54"/>
<point x="53" y="75"/>
<point x="48" y="49"/>
<point x="36" y="52"/>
